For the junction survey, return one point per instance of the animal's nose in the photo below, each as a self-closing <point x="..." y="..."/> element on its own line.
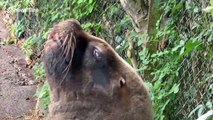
<point x="49" y="45"/>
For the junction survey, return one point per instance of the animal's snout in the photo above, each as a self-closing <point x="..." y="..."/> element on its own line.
<point x="50" y="45"/>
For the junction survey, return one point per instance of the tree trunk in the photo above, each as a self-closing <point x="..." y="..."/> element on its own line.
<point x="144" y="15"/>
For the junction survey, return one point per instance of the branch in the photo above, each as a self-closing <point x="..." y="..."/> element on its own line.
<point x="138" y="11"/>
<point x="131" y="54"/>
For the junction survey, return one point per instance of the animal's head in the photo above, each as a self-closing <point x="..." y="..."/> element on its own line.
<point x="88" y="78"/>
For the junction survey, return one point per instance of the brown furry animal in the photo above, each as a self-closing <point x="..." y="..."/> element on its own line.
<point x="89" y="80"/>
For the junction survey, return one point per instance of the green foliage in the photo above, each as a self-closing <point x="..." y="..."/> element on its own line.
<point x="165" y="88"/>
<point x="14" y="4"/>
<point x="188" y="47"/>
<point x="1" y="4"/>
<point x="33" y="43"/>
<point x="18" y="28"/>
<point x="83" y="8"/>
<point x="209" y="8"/>
<point x="10" y="41"/>
<point x="39" y="71"/>
<point x="184" y="43"/>
<point x="43" y="94"/>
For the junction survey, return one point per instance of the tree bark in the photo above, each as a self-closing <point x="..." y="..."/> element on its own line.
<point x="144" y="15"/>
<point x="138" y="11"/>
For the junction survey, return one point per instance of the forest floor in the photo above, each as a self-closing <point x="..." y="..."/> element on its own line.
<point x="17" y="85"/>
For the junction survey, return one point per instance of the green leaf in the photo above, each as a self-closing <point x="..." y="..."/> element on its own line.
<point x="118" y="39"/>
<point x="209" y="104"/>
<point x="189" y="46"/>
<point x="208" y="9"/>
<point x="196" y="10"/>
<point x="87" y="25"/>
<point x="157" y="85"/>
<point x="175" y="88"/>
<point x="55" y="17"/>
<point x="182" y="50"/>
<point x="177" y="8"/>
<point x="90" y="1"/>
<point x="140" y="42"/>
<point x="80" y="1"/>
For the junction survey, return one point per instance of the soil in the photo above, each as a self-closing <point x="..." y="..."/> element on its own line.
<point x="17" y="84"/>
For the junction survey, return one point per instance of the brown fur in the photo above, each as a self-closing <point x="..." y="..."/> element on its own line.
<point x="89" y="80"/>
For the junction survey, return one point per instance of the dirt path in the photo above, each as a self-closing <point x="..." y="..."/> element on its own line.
<point x="17" y="86"/>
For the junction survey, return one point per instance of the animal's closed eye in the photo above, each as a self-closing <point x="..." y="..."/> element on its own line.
<point x="97" y="54"/>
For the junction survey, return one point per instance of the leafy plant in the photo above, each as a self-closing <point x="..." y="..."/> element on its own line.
<point x="18" y="28"/>
<point x="209" y="8"/>
<point x="32" y="44"/>
<point x="39" y="71"/>
<point x="165" y="88"/>
<point x="83" y="8"/>
<point x="43" y="94"/>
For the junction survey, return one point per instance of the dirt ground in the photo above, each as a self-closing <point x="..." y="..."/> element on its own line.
<point x="17" y="85"/>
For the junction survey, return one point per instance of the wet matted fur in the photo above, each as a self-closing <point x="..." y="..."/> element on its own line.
<point x="89" y="80"/>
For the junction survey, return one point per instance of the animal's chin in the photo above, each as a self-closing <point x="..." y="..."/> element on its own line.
<point x="67" y="107"/>
<point x="80" y="100"/>
<point x="89" y="94"/>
